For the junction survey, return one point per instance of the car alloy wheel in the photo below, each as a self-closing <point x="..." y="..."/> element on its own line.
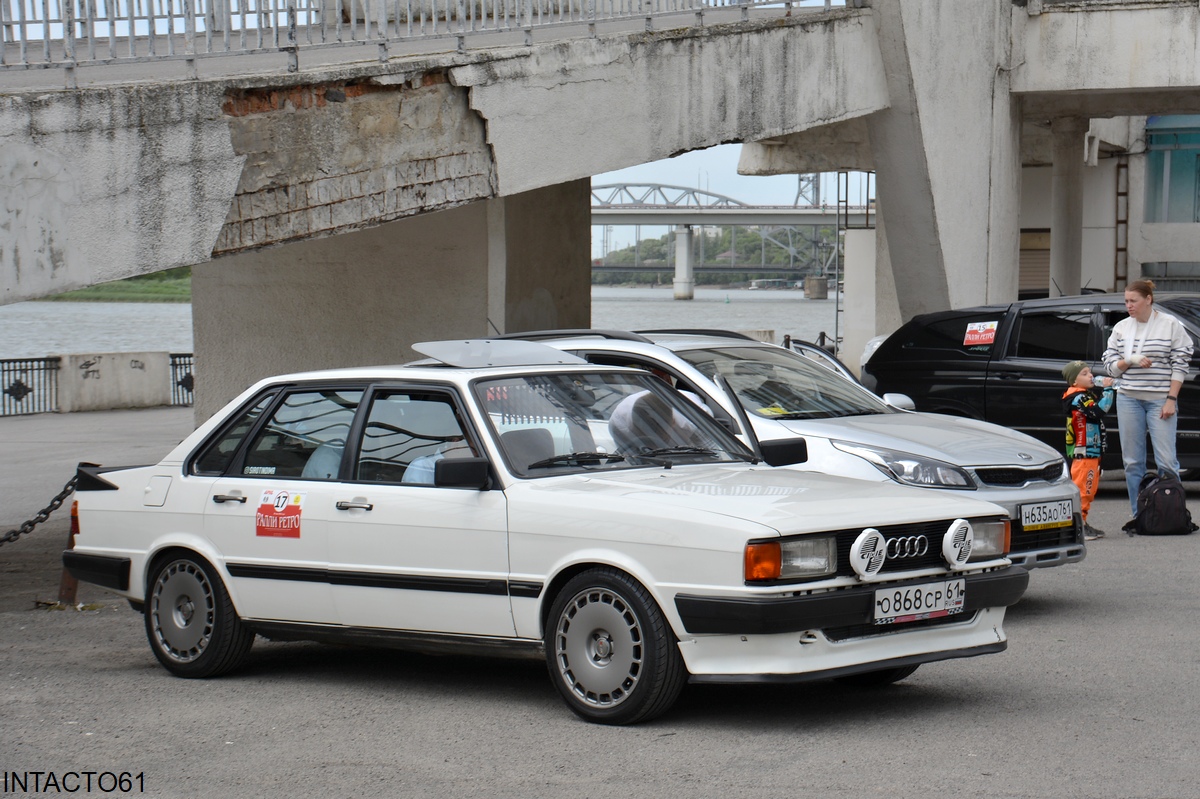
<point x="610" y="652"/>
<point x="190" y="620"/>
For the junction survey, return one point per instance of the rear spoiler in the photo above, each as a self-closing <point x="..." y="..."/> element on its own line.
<point x="87" y="476"/>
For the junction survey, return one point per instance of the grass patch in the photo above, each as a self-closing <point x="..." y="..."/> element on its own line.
<point x="173" y="285"/>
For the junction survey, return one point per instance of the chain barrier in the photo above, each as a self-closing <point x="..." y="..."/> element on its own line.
<point x="42" y="515"/>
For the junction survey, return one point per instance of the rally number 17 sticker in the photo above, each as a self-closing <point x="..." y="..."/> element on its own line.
<point x="278" y="514"/>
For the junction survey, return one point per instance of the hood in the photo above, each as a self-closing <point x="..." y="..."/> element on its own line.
<point x="966" y="442"/>
<point x="785" y="500"/>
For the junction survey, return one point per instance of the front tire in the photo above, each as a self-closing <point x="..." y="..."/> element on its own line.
<point x="190" y="620"/>
<point x="610" y="652"/>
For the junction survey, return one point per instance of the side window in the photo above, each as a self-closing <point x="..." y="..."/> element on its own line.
<point x="218" y="453"/>
<point x="966" y="335"/>
<point x="406" y="434"/>
<point x="1057" y="336"/>
<point x="305" y="437"/>
<point x="1111" y="317"/>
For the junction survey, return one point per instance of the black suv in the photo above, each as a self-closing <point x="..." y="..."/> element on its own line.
<point x="1003" y="363"/>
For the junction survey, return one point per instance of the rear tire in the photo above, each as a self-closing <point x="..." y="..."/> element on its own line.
<point x="610" y="652"/>
<point x="190" y="621"/>
<point x="875" y="679"/>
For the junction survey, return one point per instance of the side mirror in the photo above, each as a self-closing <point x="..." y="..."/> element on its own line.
<point x="901" y="401"/>
<point x="462" y="473"/>
<point x="784" y="451"/>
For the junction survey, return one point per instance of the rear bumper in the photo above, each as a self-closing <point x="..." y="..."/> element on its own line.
<point x="842" y="608"/>
<point x="102" y="570"/>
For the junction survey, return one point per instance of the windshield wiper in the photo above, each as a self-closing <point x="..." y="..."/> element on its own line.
<point x="573" y="458"/>
<point x="823" y="414"/>
<point x="679" y="451"/>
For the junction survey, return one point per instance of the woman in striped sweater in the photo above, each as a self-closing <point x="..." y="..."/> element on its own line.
<point x="1149" y="352"/>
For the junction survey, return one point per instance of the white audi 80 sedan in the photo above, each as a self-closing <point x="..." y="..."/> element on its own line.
<point x="505" y="497"/>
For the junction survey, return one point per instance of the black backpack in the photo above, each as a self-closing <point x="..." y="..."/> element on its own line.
<point x="1162" y="508"/>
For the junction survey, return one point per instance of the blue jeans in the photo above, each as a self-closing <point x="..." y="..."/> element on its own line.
<point x="1136" y="418"/>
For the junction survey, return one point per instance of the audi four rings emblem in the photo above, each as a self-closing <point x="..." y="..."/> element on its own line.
<point x="910" y="546"/>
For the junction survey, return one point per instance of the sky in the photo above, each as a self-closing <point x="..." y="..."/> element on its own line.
<point x="713" y="170"/>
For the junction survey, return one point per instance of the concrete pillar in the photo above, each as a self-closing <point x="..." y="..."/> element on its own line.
<point x="511" y="264"/>
<point x="1066" y="206"/>
<point x="685" y="282"/>
<point x="947" y="152"/>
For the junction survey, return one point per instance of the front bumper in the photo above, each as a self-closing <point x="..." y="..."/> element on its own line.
<point x="840" y="608"/>
<point x="1039" y="549"/>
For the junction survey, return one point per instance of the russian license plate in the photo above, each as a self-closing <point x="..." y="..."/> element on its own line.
<point x="1044" y="515"/>
<point x="915" y="602"/>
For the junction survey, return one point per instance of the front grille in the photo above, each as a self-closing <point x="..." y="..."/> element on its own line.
<point x="1033" y="540"/>
<point x="1008" y="476"/>
<point x="933" y="532"/>
<point x="868" y="630"/>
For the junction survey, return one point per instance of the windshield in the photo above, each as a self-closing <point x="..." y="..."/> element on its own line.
<point x="548" y="424"/>
<point x="776" y="384"/>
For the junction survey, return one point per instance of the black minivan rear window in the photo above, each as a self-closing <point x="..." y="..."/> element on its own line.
<point x="970" y="334"/>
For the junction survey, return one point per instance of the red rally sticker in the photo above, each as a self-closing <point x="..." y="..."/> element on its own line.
<point x="980" y="333"/>
<point x="278" y="514"/>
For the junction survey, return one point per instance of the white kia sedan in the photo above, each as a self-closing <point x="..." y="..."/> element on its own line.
<point x="506" y="497"/>
<point x="854" y="433"/>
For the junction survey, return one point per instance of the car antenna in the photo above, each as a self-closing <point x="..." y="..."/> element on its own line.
<point x="743" y="417"/>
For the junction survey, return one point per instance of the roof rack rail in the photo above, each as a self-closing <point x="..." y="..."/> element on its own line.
<point x="701" y="331"/>
<point x="538" y="335"/>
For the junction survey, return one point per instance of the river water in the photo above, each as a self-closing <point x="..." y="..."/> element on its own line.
<point x="38" y="329"/>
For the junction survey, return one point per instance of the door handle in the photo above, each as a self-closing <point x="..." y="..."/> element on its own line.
<point x="219" y="498"/>
<point x="1010" y="375"/>
<point x="343" y="505"/>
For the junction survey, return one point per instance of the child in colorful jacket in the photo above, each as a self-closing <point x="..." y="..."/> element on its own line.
<point x="1085" y="411"/>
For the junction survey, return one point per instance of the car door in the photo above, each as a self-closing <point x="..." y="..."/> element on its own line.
<point x="268" y="514"/>
<point x="1026" y="385"/>
<point x="405" y="553"/>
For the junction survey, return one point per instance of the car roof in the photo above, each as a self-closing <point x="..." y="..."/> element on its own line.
<point x="1071" y="301"/>
<point x="456" y="359"/>
<point x="671" y="339"/>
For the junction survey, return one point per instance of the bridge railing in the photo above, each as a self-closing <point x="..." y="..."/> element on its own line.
<point x="69" y="33"/>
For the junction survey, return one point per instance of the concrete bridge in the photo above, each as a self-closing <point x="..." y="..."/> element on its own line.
<point x="336" y="213"/>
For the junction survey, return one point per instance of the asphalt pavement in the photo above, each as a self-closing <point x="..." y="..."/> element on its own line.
<point x="1096" y="696"/>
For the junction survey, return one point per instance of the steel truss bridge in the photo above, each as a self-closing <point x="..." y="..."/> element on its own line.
<point x="796" y="229"/>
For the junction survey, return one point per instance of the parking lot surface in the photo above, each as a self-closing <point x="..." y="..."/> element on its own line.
<point x="1095" y="697"/>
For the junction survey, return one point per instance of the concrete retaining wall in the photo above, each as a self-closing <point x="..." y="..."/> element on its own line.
<point x="102" y="381"/>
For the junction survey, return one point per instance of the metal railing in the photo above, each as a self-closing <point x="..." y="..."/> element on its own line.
<point x="182" y="379"/>
<point x="69" y="33"/>
<point x="30" y="385"/>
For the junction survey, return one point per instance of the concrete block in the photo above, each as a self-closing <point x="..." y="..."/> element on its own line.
<point x="103" y="381"/>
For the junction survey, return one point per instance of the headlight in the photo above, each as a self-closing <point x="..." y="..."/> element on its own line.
<point x="909" y="469"/>
<point x="791" y="559"/>
<point x="992" y="539"/>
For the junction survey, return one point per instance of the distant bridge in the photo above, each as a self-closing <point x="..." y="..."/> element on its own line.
<point x="656" y="204"/>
